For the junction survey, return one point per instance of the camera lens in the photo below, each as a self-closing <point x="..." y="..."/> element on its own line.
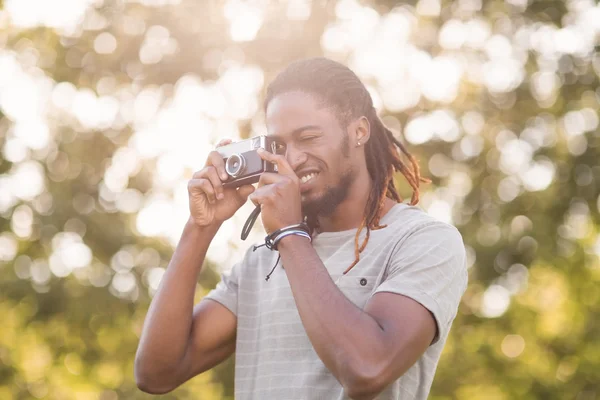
<point x="235" y="165"/>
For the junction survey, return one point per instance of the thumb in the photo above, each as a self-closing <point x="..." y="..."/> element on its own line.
<point x="243" y="192"/>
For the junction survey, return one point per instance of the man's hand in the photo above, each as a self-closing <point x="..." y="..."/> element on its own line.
<point x="278" y="194"/>
<point x="210" y="202"/>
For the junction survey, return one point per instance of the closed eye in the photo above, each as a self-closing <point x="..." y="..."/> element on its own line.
<point x="280" y="148"/>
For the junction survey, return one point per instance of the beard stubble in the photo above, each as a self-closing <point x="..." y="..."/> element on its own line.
<point x="334" y="195"/>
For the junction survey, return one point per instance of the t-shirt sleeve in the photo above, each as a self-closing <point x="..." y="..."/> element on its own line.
<point x="429" y="266"/>
<point x="226" y="291"/>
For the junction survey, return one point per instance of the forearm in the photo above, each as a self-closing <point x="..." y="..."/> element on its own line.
<point x="167" y="327"/>
<point x="343" y="336"/>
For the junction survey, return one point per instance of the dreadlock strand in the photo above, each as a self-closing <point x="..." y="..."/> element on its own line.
<point x="412" y="159"/>
<point x="392" y="191"/>
<point x="365" y="240"/>
<point x="356" y="248"/>
<point x="411" y="177"/>
<point x="382" y="198"/>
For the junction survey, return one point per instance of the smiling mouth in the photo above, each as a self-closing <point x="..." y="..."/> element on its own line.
<point x="309" y="177"/>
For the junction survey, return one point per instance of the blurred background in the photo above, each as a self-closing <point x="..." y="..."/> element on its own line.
<point x="107" y="107"/>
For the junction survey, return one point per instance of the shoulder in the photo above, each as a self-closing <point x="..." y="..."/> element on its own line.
<point x="408" y="223"/>
<point x="424" y="243"/>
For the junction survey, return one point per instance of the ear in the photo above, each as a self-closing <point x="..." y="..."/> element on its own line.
<point x="361" y="131"/>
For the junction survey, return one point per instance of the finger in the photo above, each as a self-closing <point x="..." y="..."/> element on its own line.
<point x="224" y="141"/>
<point x="206" y="173"/>
<point x="215" y="181"/>
<point x="283" y="167"/>
<point x="244" y="191"/>
<point x="202" y="186"/>
<point x="216" y="160"/>
<point x="268" y="178"/>
<point x="260" y="195"/>
<point x="201" y="173"/>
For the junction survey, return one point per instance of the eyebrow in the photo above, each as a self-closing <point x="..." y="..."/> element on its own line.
<point x="298" y="131"/>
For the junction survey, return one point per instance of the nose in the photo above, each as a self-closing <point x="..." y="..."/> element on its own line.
<point x="295" y="157"/>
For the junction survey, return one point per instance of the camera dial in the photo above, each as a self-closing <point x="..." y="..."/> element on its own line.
<point x="235" y="165"/>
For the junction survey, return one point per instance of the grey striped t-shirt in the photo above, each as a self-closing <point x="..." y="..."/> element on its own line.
<point x="415" y="255"/>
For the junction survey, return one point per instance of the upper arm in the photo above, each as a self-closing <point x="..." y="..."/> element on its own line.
<point x="214" y="327"/>
<point x="407" y="327"/>
<point x="212" y="338"/>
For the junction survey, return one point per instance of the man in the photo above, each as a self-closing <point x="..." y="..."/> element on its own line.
<point x="359" y="309"/>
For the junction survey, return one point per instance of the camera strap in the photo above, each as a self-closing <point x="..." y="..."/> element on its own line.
<point x="250" y="222"/>
<point x="246" y="231"/>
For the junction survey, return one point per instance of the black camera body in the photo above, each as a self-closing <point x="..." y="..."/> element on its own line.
<point x="243" y="164"/>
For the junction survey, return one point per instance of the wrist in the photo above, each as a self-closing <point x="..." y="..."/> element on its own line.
<point x="204" y="229"/>
<point x="273" y="238"/>
<point x="291" y="240"/>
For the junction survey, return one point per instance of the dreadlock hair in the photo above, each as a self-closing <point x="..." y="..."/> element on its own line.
<point x="339" y="89"/>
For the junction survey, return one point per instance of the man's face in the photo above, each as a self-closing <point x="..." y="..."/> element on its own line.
<point x="317" y="148"/>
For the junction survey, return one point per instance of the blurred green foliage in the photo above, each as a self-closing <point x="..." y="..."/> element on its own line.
<point x="75" y="336"/>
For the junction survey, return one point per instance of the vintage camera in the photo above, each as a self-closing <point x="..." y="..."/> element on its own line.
<point x="243" y="164"/>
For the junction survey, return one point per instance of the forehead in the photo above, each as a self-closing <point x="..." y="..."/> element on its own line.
<point x="290" y="111"/>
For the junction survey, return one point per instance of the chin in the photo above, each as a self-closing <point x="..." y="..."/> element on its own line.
<point x="325" y="202"/>
<point x="309" y="206"/>
<point x="317" y="207"/>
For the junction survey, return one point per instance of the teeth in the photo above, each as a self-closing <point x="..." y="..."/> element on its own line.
<point x="308" y="177"/>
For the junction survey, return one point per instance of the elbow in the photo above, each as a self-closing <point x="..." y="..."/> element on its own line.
<point x="150" y="381"/>
<point x="151" y="387"/>
<point x="365" y="384"/>
<point x="148" y="387"/>
<point x="362" y="392"/>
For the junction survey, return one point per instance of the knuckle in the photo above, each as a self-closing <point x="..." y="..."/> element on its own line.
<point x="211" y="173"/>
<point x="206" y="186"/>
<point x="284" y="183"/>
